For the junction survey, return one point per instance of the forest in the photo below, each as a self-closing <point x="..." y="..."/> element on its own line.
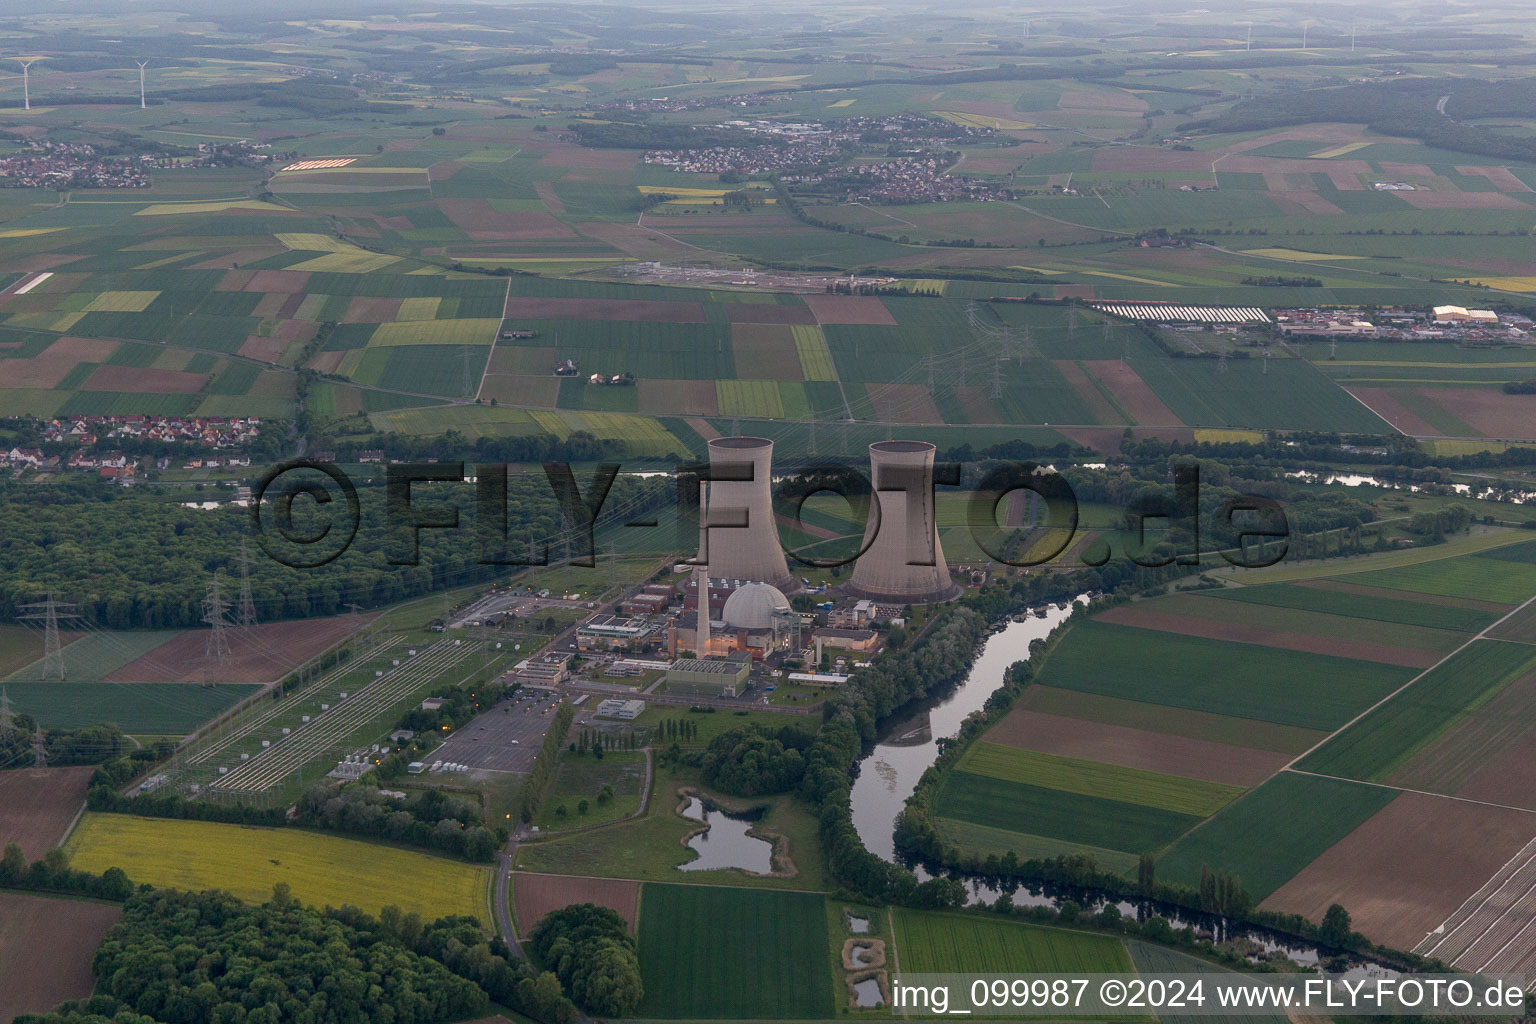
<point x="282" y="961"/>
<point x="132" y="562"/>
<point x="1406" y="108"/>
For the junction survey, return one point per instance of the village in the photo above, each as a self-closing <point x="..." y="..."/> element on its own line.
<point x="85" y="436"/>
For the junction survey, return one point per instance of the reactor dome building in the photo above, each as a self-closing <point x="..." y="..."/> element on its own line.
<point x="903" y="562"/>
<point x="755" y="606"/>
<point x="741" y="485"/>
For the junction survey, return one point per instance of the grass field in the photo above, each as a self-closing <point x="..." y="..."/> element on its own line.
<point x="738" y="954"/>
<point x="140" y="709"/>
<point x="1375" y="746"/>
<point x="1351" y="572"/>
<point x="1091" y="778"/>
<point x="1285" y="687"/>
<point x="1056" y="814"/>
<point x="323" y="870"/>
<point x="1361" y="606"/>
<point x="582" y="777"/>
<point x="936" y="942"/>
<point x="1478" y="578"/>
<point x="1274" y="831"/>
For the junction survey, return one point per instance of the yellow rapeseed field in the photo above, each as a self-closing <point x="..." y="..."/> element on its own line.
<point x="247" y="862"/>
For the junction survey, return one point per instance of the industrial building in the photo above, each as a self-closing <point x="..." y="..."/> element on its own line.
<point x="903" y="562"/>
<point x="625" y="709"/>
<point x="608" y="631"/>
<point x="748" y="551"/>
<point x="708" y="677"/>
<point x="1461" y="315"/>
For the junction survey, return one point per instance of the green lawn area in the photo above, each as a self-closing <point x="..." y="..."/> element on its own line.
<point x="650" y="848"/>
<point x="1274" y="831"/>
<point x="582" y="777"/>
<point x="740" y="954"/>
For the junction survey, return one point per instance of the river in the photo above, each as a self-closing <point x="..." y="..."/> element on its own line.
<point x="906" y="747"/>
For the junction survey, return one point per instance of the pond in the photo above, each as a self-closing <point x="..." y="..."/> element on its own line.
<point x="867" y="993"/>
<point x="725" y="843"/>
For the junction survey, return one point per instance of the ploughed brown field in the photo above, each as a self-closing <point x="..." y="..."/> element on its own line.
<point x="1133" y="394"/>
<point x="263" y="653"/>
<point x="903" y="403"/>
<point x="145" y="380"/>
<point x="652" y="310"/>
<point x="1212" y="629"/>
<point x="850" y="309"/>
<point x="1488" y="410"/>
<point x="1137" y="748"/>
<point x="533" y="896"/>
<point x="37" y="806"/>
<point x="46" y="946"/>
<point x="1408" y="867"/>
<point x="1092" y="397"/>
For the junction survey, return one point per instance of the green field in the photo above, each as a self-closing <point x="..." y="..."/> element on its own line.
<point x="1274" y="831"/>
<point x="1094" y="779"/>
<point x="1361" y="606"/>
<point x="1479" y="578"/>
<point x="1150" y="959"/>
<point x="143" y="709"/>
<point x="1239" y="680"/>
<point x="708" y="952"/>
<point x="1057" y="814"/>
<point x="323" y="870"/>
<point x="934" y="942"/>
<point x="1375" y="746"/>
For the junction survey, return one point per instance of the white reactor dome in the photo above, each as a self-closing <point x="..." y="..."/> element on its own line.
<point x="752" y="606"/>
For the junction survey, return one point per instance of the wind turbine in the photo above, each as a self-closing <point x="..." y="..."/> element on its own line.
<point x="26" y="83"/>
<point x="1351" y="37"/>
<point x="142" y="65"/>
<point x="1304" y="27"/>
<point x="1250" y="37"/>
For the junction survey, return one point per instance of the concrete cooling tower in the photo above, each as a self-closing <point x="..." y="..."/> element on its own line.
<point x="906" y="531"/>
<point x="752" y="552"/>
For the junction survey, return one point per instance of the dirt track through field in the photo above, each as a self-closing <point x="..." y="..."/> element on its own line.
<point x="1383" y="403"/>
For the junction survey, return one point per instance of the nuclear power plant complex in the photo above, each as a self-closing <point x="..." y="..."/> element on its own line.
<point x="726" y="626"/>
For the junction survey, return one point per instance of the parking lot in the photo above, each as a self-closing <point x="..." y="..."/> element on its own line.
<point x="504" y="739"/>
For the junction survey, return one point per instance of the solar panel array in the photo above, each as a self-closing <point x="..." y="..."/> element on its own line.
<point x="1192" y="314"/>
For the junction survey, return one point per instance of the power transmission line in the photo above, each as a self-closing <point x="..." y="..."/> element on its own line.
<point x="48" y="613"/>
<point x="245" y="609"/>
<point x="215" y="607"/>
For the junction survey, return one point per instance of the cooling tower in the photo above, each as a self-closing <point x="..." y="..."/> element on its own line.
<point x="906" y="530"/>
<point x="749" y="552"/>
